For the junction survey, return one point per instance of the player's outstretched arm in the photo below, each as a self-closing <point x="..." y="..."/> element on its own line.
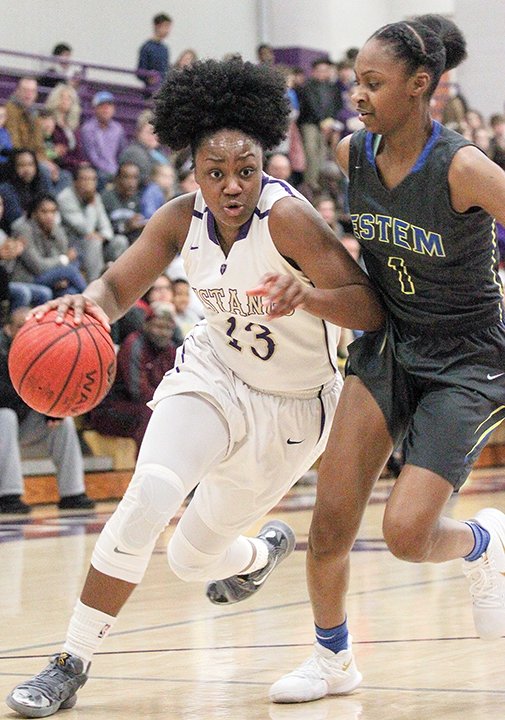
<point x="133" y="273"/>
<point x="342" y="293"/>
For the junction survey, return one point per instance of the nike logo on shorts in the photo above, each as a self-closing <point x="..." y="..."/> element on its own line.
<point x="493" y="377"/>
<point x="122" y="552"/>
<point x="294" y="442"/>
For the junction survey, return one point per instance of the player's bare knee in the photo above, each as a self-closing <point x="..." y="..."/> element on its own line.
<point x="406" y="541"/>
<point x="323" y="544"/>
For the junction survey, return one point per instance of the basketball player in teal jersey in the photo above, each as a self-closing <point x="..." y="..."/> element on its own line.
<point x="247" y="408"/>
<point x="422" y="201"/>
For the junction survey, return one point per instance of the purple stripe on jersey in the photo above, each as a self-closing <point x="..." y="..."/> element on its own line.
<point x="323" y="415"/>
<point x="211" y="227"/>
<point x="244" y="229"/>
<point x="325" y="327"/>
<point x="261" y="215"/>
<point x="275" y="181"/>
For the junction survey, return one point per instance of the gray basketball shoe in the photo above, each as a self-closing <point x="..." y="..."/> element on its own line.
<point x="52" y="689"/>
<point x="280" y="539"/>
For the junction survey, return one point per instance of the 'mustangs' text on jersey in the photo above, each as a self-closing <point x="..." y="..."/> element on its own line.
<point x="433" y="265"/>
<point x="288" y="354"/>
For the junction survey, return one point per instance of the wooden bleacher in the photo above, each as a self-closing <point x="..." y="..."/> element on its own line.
<point x="109" y="469"/>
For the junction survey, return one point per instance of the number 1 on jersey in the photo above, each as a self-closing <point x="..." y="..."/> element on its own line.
<point x="404" y="278"/>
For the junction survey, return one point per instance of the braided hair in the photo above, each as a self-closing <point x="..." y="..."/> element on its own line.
<point x="200" y="99"/>
<point x="431" y="42"/>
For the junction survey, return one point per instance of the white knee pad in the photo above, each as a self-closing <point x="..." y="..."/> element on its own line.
<point x="187" y="562"/>
<point x="192" y="564"/>
<point x="125" y="545"/>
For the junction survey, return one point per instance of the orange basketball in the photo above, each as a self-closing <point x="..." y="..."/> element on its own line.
<point x="63" y="369"/>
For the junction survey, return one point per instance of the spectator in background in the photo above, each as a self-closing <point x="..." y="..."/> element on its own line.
<point x="455" y="108"/>
<point x="87" y="224"/>
<point x="292" y="144"/>
<point x="187" y="57"/>
<point x="278" y="166"/>
<point x="103" y="138"/>
<point x="60" y="178"/>
<point x="185" y="315"/>
<point x="24" y="176"/>
<point x="159" y="190"/>
<point x="144" y="151"/>
<point x="47" y="258"/>
<point x="61" y="70"/>
<point x="21" y="121"/>
<point x="5" y="136"/>
<point x="265" y="54"/>
<point x="497" y="145"/>
<point x="299" y="77"/>
<point x="154" y="55"/>
<point x="160" y="292"/>
<point x="186" y="182"/>
<point x="21" y="426"/>
<point x="320" y="103"/>
<point x="122" y="202"/>
<point x="327" y="208"/>
<point x="348" y="114"/>
<point x="474" y="119"/>
<point x="64" y="102"/>
<point x="10" y="205"/>
<point x="5" y="304"/>
<point x="16" y="294"/>
<point x="143" y="359"/>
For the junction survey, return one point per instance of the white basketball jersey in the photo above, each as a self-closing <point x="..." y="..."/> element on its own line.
<point x="285" y="355"/>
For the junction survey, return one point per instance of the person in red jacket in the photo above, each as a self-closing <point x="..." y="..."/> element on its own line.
<point x="143" y="359"/>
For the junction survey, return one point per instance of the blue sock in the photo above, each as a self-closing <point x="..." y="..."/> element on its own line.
<point x="335" y="639"/>
<point x="481" y="537"/>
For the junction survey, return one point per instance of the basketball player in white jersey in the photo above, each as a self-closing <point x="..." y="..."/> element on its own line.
<point x="248" y="406"/>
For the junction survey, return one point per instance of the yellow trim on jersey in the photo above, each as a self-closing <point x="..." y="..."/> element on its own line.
<point x="494" y="264"/>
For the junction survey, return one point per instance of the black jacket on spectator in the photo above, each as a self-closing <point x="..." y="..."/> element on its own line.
<point x="318" y="101"/>
<point x="8" y="396"/>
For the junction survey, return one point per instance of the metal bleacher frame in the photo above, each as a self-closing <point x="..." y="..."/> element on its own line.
<point x="124" y="83"/>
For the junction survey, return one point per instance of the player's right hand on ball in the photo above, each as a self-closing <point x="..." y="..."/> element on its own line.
<point x="78" y="305"/>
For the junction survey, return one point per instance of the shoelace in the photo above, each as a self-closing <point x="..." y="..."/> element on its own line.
<point x="484" y="587"/>
<point x="39" y="682"/>
<point x="317" y="667"/>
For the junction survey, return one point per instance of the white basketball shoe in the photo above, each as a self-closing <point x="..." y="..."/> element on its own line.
<point x="487" y="578"/>
<point x="324" y="673"/>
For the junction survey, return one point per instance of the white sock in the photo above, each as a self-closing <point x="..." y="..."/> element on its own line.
<point x="261" y="558"/>
<point x="86" y="630"/>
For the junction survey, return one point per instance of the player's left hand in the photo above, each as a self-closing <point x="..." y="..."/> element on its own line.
<point x="281" y="294"/>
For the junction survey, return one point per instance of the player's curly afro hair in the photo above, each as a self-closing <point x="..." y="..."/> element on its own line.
<point x="212" y="95"/>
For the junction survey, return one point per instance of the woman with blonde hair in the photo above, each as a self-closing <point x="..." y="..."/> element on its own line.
<point x="63" y="101"/>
